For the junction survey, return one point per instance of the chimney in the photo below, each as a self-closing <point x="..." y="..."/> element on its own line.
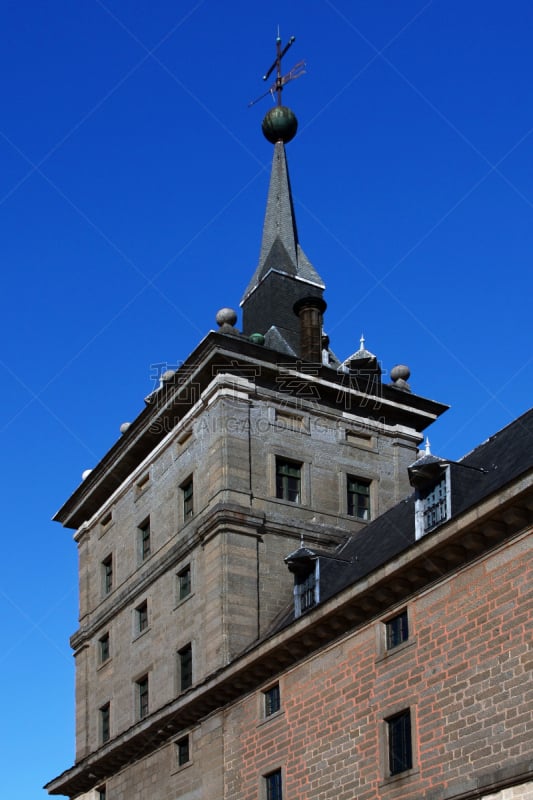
<point x="310" y="311"/>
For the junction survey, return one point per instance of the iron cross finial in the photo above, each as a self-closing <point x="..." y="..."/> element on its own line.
<point x="281" y="80"/>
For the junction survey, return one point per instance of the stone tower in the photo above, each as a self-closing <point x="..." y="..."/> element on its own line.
<point x="261" y="440"/>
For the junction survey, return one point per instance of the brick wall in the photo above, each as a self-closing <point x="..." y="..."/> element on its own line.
<point x="463" y="673"/>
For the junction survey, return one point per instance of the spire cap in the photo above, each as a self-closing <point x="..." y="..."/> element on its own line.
<point x="279" y="125"/>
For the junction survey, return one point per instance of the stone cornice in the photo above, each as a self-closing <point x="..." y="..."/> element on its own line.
<point x="219" y="353"/>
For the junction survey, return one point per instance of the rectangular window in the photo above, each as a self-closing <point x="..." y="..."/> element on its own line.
<point x="358" y="496"/>
<point x="185" y="667"/>
<point x="142" y="697"/>
<point x="184" y="582"/>
<point x="101" y="793"/>
<point x="273" y="786"/>
<point x="103" y="648"/>
<point x="144" y="540"/>
<point x="107" y="574"/>
<point x="105" y="723"/>
<point x="399" y="742"/>
<point x="141" y="617"/>
<point x="187" y="491"/>
<point x="272" y="700"/>
<point x="288" y="480"/>
<point x="183" y="751"/>
<point x="397" y="630"/>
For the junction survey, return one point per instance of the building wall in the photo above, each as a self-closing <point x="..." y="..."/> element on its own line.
<point x="160" y="776"/>
<point x="463" y="673"/>
<point x="239" y="578"/>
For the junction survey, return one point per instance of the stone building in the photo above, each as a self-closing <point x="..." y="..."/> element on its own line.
<point x="280" y="595"/>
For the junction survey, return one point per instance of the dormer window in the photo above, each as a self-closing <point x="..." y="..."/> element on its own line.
<point x="305" y="566"/>
<point x="431" y="478"/>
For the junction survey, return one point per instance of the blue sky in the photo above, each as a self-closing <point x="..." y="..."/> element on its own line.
<point x="133" y="180"/>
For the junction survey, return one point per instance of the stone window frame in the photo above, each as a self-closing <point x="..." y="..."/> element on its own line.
<point x="187" y="499"/>
<point x="107" y="574"/>
<point x="104" y="649"/>
<point x="142" y="697"/>
<point x="278" y="454"/>
<point x="383" y="650"/>
<point x="270" y="709"/>
<point x="287" y="472"/>
<point x="362" y="481"/>
<point x="104" y="723"/>
<point x="180" y="598"/>
<point x="179" y="744"/>
<point x="389" y="715"/>
<point x="397" y="626"/>
<point x="141" y="619"/>
<point x="144" y="536"/>
<point x="399" y="742"/>
<point x="272" y="784"/>
<point x="185" y="663"/>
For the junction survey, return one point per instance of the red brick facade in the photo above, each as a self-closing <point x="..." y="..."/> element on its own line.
<point x="462" y="673"/>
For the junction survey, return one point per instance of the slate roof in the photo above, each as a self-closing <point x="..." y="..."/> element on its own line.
<point x="503" y="457"/>
<point x="280" y="248"/>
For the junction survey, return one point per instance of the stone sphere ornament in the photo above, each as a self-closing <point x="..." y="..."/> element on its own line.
<point x="279" y="125"/>
<point x="257" y="338"/>
<point x="400" y="372"/>
<point x="226" y="316"/>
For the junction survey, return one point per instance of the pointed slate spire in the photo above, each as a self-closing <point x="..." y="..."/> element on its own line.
<point x="284" y="274"/>
<point x="280" y="248"/>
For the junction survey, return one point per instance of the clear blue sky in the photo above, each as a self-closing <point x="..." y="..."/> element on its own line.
<point x="133" y="180"/>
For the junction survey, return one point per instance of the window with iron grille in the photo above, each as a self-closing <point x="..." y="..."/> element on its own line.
<point x="358" y="496"/>
<point x="288" y="480"/>
<point x="105" y="723"/>
<point x="399" y="742"/>
<point x="272" y="700"/>
<point x="142" y="697"/>
<point x="305" y="589"/>
<point x="184" y="582"/>
<point x="274" y="789"/>
<point x="397" y="630"/>
<point x="145" y="544"/>
<point x="107" y="574"/>
<point x="435" y="504"/>
<point x="183" y="751"/>
<point x="185" y="667"/>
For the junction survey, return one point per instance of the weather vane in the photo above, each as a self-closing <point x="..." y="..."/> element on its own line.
<point x="296" y="72"/>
